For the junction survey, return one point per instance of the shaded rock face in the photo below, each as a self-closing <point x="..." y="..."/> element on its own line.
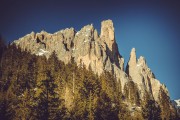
<point x="176" y="104"/>
<point x="100" y="52"/>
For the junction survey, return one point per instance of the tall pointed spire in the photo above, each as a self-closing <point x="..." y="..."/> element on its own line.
<point x="107" y="33"/>
<point x="132" y="60"/>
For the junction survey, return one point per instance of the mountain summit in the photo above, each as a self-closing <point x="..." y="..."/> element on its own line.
<point x="100" y="53"/>
<point x="86" y="46"/>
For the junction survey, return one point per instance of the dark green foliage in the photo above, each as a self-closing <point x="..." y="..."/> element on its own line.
<point x="48" y="101"/>
<point x="167" y="110"/>
<point x="33" y="88"/>
<point x="131" y="93"/>
<point x="151" y="110"/>
<point x="106" y="108"/>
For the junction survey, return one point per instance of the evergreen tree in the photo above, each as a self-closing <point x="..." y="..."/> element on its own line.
<point x="23" y="108"/>
<point x="48" y="100"/>
<point x="131" y="93"/>
<point x="34" y="87"/>
<point x="151" y="111"/>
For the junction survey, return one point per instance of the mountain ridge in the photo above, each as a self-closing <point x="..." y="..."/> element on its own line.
<point x="100" y="52"/>
<point x="87" y="43"/>
<point x="67" y="43"/>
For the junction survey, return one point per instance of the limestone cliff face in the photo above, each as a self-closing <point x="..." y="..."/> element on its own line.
<point x="100" y="52"/>
<point x="107" y="33"/>
<point x="141" y="74"/>
<point x="85" y="46"/>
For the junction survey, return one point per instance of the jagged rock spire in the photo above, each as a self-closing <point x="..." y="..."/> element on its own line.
<point x="107" y="33"/>
<point x="85" y="46"/>
<point x="136" y="73"/>
<point x="141" y="74"/>
<point x="91" y="49"/>
<point x="132" y="60"/>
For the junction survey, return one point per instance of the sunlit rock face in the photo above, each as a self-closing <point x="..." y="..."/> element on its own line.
<point x="140" y="73"/>
<point x="98" y="51"/>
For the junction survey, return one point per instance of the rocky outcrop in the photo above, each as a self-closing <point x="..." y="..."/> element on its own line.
<point x="176" y="104"/>
<point x="100" y="52"/>
<point x="141" y="74"/>
<point x="107" y="33"/>
<point x="85" y="47"/>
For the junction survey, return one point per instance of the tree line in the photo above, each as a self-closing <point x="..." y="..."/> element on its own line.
<point x="36" y="88"/>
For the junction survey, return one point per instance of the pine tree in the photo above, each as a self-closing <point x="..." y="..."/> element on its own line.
<point x="48" y="100"/>
<point x="131" y="93"/>
<point x="151" y="111"/>
<point x="167" y="111"/>
<point x="23" y="108"/>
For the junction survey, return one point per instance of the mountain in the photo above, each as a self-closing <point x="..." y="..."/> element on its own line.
<point x="176" y="104"/>
<point x="85" y="46"/>
<point x="100" y="52"/>
<point x="104" y="88"/>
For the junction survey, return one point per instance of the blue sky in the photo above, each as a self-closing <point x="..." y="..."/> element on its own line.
<point x="151" y="27"/>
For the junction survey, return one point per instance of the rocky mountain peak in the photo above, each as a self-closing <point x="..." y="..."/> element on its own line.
<point x="141" y="61"/>
<point x="85" y="46"/>
<point x="132" y="60"/>
<point x="141" y="74"/>
<point x="107" y="33"/>
<point x="100" y="52"/>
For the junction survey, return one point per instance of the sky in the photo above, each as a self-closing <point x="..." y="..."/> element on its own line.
<point x="152" y="27"/>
